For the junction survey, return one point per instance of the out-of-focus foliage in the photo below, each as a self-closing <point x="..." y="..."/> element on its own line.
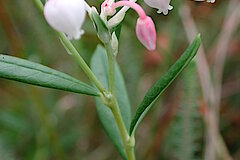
<point x="183" y="140"/>
<point x="38" y="123"/>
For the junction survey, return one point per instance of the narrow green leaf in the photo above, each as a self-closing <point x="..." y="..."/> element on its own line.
<point x="32" y="73"/>
<point x="99" y="65"/>
<point x="102" y="30"/>
<point x="155" y="92"/>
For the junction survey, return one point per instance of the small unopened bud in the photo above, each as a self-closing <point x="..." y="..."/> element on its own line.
<point x="162" y="5"/>
<point x="107" y="8"/>
<point x="146" y="33"/>
<point x="66" y="16"/>
<point x="114" y="43"/>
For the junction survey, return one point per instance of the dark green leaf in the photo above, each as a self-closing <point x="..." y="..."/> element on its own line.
<point x="32" y="73"/>
<point x="154" y="93"/>
<point x="99" y="65"/>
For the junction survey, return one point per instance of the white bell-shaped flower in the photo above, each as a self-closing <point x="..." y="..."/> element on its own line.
<point x="66" y="16"/>
<point x="162" y="5"/>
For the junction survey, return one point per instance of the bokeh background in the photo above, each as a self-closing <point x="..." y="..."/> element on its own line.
<point x="38" y="123"/>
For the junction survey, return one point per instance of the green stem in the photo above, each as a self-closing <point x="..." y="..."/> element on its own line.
<point x="128" y="142"/>
<point x="39" y="5"/>
<point x="111" y="67"/>
<point x="70" y="48"/>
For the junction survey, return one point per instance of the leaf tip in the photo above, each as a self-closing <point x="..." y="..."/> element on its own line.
<point x="198" y="40"/>
<point x="199" y="36"/>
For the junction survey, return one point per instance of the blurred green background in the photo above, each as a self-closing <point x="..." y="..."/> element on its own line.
<point x="38" y="123"/>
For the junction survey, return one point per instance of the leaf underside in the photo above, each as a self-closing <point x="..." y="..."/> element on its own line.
<point x="21" y="70"/>
<point x="99" y="65"/>
<point x="160" y="86"/>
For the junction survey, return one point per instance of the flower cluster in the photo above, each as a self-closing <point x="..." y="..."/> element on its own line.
<point x="67" y="16"/>
<point x="145" y="28"/>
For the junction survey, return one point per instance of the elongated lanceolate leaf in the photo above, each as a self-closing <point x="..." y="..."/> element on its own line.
<point x="99" y="65"/>
<point x="154" y="93"/>
<point x="33" y="73"/>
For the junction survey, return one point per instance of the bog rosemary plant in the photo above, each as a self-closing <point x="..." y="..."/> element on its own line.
<point x="108" y="88"/>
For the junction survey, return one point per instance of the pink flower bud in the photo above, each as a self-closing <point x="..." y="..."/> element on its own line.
<point x="66" y="16"/>
<point x="162" y="5"/>
<point x="146" y="33"/>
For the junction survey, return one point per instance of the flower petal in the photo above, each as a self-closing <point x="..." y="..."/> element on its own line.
<point x="66" y="16"/>
<point x="146" y="33"/>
